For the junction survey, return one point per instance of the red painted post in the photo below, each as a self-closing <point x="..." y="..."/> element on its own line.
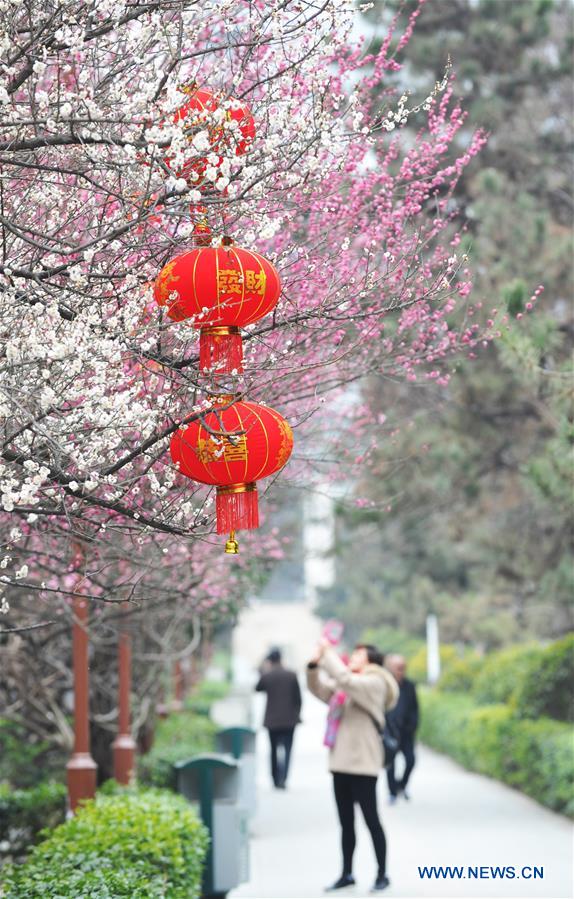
<point x="81" y="768"/>
<point x="124" y="745"/>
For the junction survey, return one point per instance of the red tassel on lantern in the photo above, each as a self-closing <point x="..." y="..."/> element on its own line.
<point x="237" y="508"/>
<point x="221" y="349"/>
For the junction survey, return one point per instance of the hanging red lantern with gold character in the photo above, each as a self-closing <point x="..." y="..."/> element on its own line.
<point x="221" y="138"/>
<point x="220" y="289"/>
<point x="202" y="100"/>
<point x="232" y="449"/>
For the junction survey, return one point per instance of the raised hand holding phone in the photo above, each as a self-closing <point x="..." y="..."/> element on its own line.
<point x="333" y="631"/>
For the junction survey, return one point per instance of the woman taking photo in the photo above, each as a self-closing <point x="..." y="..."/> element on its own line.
<point x="358" y="696"/>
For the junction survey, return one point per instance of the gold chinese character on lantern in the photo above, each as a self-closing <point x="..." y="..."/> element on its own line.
<point x="208" y="451"/>
<point x="236" y="451"/>
<point x="256" y="281"/>
<point x="229" y="281"/>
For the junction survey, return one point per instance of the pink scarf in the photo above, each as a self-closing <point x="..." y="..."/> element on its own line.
<point x="334" y="716"/>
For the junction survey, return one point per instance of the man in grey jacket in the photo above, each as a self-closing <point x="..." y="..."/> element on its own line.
<point x="282" y="714"/>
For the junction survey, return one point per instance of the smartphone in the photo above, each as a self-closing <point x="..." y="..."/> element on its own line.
<point x="333" y="631"/>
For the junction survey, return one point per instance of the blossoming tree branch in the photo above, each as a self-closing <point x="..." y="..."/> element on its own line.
<point x="103" y="181"/>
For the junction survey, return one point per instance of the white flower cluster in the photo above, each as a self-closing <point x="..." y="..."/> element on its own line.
<point x="99" y="170"/>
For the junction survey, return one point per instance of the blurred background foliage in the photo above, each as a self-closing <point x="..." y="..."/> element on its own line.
<point x="470" y="510"/>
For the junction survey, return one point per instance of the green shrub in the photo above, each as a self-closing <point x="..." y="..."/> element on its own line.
<point x="503" y="672"/>
<point x="25" y="813"/>
<point x="207" y="692"/>
<point x="141" y="845"/>
<point x="542" y="763"/>
<point x="546" y="687"/>
<point x="26" y="761"/>
<point x="537" y="757"/>
<point x="490" y="737"/>
<point x="444" y="723"/>
<point x="178" y="737"/>
<point x="460" y="674"/>
<point x="417" y="669"/>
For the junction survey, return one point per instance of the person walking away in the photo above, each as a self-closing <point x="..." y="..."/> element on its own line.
<point x="403" y="721"/>
<point x="356" y="753"/>
<point x="282" y="713"/>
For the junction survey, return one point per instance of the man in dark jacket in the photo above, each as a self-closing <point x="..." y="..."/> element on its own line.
<point x="402" y="721"/>
<point x="281" y="714"/>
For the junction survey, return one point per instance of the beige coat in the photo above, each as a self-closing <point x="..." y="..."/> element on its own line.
<point x="358" y="748"/>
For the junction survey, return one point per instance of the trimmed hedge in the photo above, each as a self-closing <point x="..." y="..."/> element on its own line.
<point x="417" y="667"/>
<point x="25" y="813"/>
<point x="178" y="737"/>
<point x="502" y="672"/>
<point x="547" y="687"/>
<point x="534" y="680"/>
<point x="461" y="674"/>
<point x="137" y="844"/>
<point x="537" y="757"/>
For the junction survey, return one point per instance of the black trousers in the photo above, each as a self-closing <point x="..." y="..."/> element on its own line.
<point x="407" y="747"/>
<point x="361" y="789"/>
<point x="281" y="743"/>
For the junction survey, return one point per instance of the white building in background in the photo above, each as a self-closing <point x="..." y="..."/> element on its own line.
<point x="318" y="542"/>
<point x="318" y="532"/>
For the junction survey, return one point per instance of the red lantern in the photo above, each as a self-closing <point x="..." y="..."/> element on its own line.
<point x="232" y="449"/>
<point x="222" y="289"/>
<point x="201" y="100"/>
<point x="220" y="138"/>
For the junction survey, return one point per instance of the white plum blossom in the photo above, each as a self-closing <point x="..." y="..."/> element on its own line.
<point x="201" y="142"/>
<point x="101" y="173"/>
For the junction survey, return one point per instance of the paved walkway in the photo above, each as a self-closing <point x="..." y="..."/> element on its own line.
<point x="454" y="818"/>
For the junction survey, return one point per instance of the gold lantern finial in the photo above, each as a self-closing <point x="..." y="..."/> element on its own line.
<point x="188" y="87"/>
<point x="232" y="546"/>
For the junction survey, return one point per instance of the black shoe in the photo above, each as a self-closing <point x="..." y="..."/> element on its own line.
<point x="381" y="883"/>
<point x="346" y="880"/>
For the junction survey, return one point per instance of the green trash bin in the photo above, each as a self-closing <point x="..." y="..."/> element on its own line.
<point x="240" y="742"/>
<point x="212" y="782"/>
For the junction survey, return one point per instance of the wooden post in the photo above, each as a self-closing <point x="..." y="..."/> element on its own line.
<point x="124" y="745"/>
<point x="81" y="768"/>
